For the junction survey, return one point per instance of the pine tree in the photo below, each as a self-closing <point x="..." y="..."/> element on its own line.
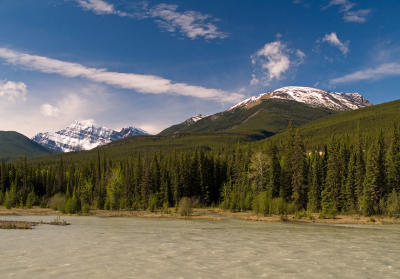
<point x="299" y="187"/>
<point x="274" y="172"/>
<point x="330" y="194"/>
<point x="288" y="164"/>
<point x="393" y="162"/>
<point x="374" y="180"/>
<point x="360" y="169"/>
<point x="146" y="185"/>
<point x="350" y="203"/>
<point x="314" y="192"/>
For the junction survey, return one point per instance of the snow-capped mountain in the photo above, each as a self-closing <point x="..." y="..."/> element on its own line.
<point x="195" y="118"/>
<point x="311" y="96"/>
<point x="84" y="135"/>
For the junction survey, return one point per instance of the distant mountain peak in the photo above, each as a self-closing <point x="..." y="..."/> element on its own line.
<point x="83" y="135"/>
<point x="314" y="97"/>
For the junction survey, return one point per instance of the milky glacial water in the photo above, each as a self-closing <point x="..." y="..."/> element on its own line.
<point x="93" y="247"/>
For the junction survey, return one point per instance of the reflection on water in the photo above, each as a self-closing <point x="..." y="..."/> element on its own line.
<point x="95" y="247"/>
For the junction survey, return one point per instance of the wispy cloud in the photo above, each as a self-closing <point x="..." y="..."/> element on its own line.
<point x="147" y="84"/>
<point x="272" y="61"/>
<point x="191" y="24"/>
<point x="349" y="13"/>
<point x="333" y="39"/>
<point x="379" y="72"/>
<point x="12" y="91"/>
<point x="99" y="7"/>
<point x="76" y="104"/>
<point x="49" y="110"/>
<point x="359" y="16"/>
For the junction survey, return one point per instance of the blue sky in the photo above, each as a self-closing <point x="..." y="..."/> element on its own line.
<point x="152" y="64"/>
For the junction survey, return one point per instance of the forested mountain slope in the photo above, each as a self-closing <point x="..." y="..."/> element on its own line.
<point x="14" y="145"/>
<point x="262" y="120"/>
<point x="269" y="113"/>
<point x="370" y="120"/>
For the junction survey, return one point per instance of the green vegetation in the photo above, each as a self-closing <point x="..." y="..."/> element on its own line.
<point x="343" y="163"/>
<point x="280" y="179"/>
<point x="263" y="120"/>
<point x="185" y="206"/>
<point x="344" y="125"/>
<point x="14" y="145"/>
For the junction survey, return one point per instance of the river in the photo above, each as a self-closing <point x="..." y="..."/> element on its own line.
<point x="95" y="247"/>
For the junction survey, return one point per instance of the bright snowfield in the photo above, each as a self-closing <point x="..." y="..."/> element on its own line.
<point x="311" y="96"/>
<point x="84" y="135"/>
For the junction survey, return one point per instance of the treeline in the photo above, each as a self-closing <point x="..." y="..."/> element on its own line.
<point x="140" y="182"/>
<point x="362" y="177"/>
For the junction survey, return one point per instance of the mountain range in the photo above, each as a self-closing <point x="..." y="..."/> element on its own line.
<point x="255" y="118"/>
<point x="269" y="113"/>
<point x="311" y="96"/>
<point x="83" y="135"/>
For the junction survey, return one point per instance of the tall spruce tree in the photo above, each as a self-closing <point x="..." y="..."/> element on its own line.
<point x="274" y="171"/>
<point x="330" y="194"/>
<point x="299" y="173"/>
<point x="288" y="162"/>
<point x="314" y="181"/>
<point x="350" y="203"/>
<point x="393" y="162"/>
<point x="374" y="178"/>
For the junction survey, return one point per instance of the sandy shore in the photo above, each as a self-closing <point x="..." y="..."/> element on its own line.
<point x="212" y="214"/>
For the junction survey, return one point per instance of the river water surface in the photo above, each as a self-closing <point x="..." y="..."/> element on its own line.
<point x="93" y="247"/>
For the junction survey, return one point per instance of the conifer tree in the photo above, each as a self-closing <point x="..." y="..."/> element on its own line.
<point x="299" y="190"/>
<point x="274" y="172"/>
<point x="288" y="164"/>
<point x="330" y="194"/>
<point x="350" y="203"/>
<point x="313" y="204"/>
<point x="374" y="180"/>
<point x="393" y="162"/>
<point x="146" y="185"/>
<point x="360" y="168"/>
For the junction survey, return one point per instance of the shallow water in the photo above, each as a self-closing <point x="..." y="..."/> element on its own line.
<point x="94" y="247"/>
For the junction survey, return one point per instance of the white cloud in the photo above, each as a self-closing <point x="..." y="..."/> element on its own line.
<point x="190" y="23"/>
<point x="49" y="110"/>
<point x="349" y="14"/>
<point x="13" y="91"/>
<point x="151" y="128"/>
<point x="333" y="39"/>
<point x="75" y="103"/>
<point x="99" y="7"/>
<point x="381" y="71"/>
<point x="301" y="56"/>
<point x="359" y="16"/>
<point x="147" y="84"/>
<point x="272" y="61"/>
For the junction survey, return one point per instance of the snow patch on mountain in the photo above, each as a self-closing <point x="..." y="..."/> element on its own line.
<point x="312" y="96"/>
<point x="195" y="118"/>
<point x="83" y="135"/>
